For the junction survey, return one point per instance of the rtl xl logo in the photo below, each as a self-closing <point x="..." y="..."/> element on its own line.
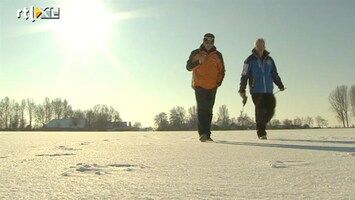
<point x="34" y="13"/>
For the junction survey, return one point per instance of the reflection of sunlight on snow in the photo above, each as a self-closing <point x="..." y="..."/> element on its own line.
<point x="135" y="165"/>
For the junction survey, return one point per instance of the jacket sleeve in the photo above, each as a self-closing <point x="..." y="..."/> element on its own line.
<point x="276" y="78"/>
<point x="191" y="64"/>
<point x="244" y="77"/>
<point x="222" y="70"/>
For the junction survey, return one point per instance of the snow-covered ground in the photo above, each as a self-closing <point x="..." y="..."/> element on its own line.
<point x="292" y="164"/>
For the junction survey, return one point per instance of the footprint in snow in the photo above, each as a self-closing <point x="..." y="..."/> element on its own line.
<point x="85" y="168"/>
<point x="59" y="151"/>
<point x="64" y="148"/>
<point x="348" y="154"/>
<point x="56" y="154"/>
<point x="287" y="164"/>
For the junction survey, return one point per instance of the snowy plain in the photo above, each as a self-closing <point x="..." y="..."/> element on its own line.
<point x="292" y="164"/>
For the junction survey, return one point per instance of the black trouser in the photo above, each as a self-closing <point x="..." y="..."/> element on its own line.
<point x="205" y="101"/>
<point x="264" y="110"/>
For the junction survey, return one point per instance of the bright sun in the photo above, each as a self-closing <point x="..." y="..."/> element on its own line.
<point x="84" y="26"/>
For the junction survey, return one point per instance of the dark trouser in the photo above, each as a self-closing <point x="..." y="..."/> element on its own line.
<point x="205" y="101"/>
<point x="264" y="110"/>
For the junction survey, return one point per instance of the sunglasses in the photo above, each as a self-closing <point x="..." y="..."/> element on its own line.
<point x="208" y="40"/>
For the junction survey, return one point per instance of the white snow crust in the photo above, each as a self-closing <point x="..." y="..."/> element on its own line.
<point x="291" y="164"/>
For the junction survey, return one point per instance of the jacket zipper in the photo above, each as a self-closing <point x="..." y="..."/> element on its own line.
<point x="264" y="76"/>
<point x="261" y="66"/>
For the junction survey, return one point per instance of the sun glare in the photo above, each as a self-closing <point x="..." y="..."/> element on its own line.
<point x="84" y="26"/>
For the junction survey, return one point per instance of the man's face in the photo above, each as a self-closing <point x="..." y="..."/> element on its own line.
<point x="208" y="42"/>
<point x="260" y="46"/>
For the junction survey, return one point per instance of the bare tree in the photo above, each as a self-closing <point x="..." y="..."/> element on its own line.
<point x="102" y="116"/>
<point x="321" y="122"/>
<point x="287" y="123"/>
<point x="338" y="100"/>
<point x="31" y="106"/>
<point x="223" y="119"/>
<point x="78" y="114"/>
<point x="67" y="109"/>
<point x="40" y="115"/>
<point x="308" y="121"/>
<point x="137" y="125"/>
<point x="48" y="110"/>
<point x="192" y="120"/>
<point x="161" y="120"/>
<point x="115" y="115"/>
<point x="22" y="109"/>
<point x="275" y="123"/>
<point x="90" y="117"/>
<point x="297" y="122"/>
<point x="244" y="120"/>
<point x="352" y="98"/>
<point x="2" y="114"/>
<point x="7" y="108"/>
<point x="15" y="114"/>
<point x="177" y="118"/>
<point x="57" y="105"/>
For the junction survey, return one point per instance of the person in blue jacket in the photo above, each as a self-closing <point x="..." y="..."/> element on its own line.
<point x="260" y="72"/>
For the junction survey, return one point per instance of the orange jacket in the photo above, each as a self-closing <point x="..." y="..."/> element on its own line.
<point x="208" y="74"/>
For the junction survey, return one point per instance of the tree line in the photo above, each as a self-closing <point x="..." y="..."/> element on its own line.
<point x="342" y="102"/>
<point x="28" y="115"/>
<point x="180" y="119"/>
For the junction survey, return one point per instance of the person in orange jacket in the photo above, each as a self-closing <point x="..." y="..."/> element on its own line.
<point x="207" y="66"/>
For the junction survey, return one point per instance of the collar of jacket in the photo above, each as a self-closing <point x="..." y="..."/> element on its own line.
<point x="266" y="53"/>
<point x="202" y="48"/>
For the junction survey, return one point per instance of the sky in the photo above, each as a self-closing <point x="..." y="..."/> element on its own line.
<point x="132" y="54"/>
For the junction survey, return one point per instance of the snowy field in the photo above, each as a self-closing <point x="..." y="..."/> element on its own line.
<point x="292" y="164"/>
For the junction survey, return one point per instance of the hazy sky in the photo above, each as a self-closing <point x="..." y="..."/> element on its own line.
<point x="131" y="54"/>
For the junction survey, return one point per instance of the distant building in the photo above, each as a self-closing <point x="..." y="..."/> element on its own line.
<point x="117" y="125"/>
<point x="75" y="123"/>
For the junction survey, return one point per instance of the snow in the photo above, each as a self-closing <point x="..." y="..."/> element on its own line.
<point x="291" y="164"/>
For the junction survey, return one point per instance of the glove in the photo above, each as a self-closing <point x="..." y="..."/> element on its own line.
<point x="244" y="97"/>
<point x="203" y="56"/>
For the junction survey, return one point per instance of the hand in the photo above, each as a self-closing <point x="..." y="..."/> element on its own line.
<point x="282" y="89"/>
<point x="202" y="58"/>
<point x="244" y="97"/>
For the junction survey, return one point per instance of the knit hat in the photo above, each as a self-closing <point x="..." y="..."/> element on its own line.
<point x="208" y="37"/>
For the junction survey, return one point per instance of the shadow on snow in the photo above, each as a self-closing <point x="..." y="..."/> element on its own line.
<point x="318" y="141"/>
<point x="296" y="146"/>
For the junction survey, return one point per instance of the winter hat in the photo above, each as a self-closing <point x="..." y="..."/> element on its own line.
<point x="208" y="37"/>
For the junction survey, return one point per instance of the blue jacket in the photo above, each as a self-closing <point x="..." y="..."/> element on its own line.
<point x="261" y="73"/>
